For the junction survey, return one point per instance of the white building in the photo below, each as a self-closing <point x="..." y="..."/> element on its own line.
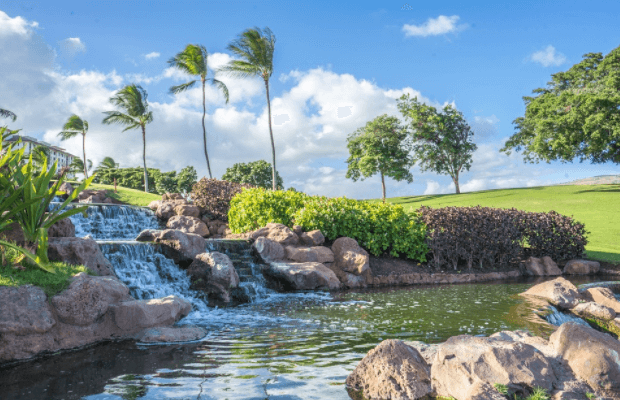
<point x="55" y="153"/>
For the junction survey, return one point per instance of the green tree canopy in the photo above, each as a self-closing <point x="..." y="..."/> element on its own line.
<point x="381" y="147"/>
<point x="442" y="140"/>
<point x="576" y="116"/>
<point x="186" y="179"/>
<point x="107" y="163"/>
<point x="73" y="127"/>
<point x="256" y="173"/>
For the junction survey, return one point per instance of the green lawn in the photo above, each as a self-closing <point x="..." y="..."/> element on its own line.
<point x="129" y="196"/>
<point x="597" y="206"/>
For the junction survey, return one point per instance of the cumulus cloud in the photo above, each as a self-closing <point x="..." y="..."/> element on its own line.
<point x="484" y="128"/>
<point x="15" y="26"/>
<point x="152" y="55"/>
<point x="548" y="57"/>
<point x="435" y="26"/>
<point x="71" y="46"/>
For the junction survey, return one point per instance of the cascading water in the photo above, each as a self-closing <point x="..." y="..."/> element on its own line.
<point x="557" y="318"/>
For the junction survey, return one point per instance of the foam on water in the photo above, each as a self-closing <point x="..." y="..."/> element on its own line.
<point x="557" y="318"/>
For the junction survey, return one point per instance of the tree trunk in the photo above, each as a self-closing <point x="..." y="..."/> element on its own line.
<point x="455" y="179"/>
<point x="146" y="174"/>
<point x="204" y="128"/>
<point x="383" y="186"/>
<point x="84" y="154"/>
<point x="273" y="146"/>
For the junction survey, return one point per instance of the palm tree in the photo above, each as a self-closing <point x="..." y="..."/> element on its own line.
<point x="40" y="154"/>
<point x="73" y="127"/>
<point x="255" y="48"/>
<point x="107" y="163"/>
<point x="193" y="61"/>
<point x="133" y="100"/>
<point x="7" y="114"/>
<point x="77" y="166"/>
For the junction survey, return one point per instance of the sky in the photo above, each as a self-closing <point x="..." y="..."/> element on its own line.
<point x="337" y="65"/>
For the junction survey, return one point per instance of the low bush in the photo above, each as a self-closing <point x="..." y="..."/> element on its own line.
<point x="256" y="207"/>
<point x="214" y="196"/>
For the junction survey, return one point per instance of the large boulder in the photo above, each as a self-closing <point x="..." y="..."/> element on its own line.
<point x="268" y="249"/>
<point x="24" y="310"/>
<point x="602" y="296"/>
<point x="79" y="251"/>
<point x="392" y="370"/>
<point x="87" y="298"/>
<point x="91" y="196"/>
<point x="301" y="254"/>
<point x="172" y="196"/>
<point x="216" y="227"/>
<point x="593" y="356"/>
<point x="351" y="263"/>
<point x="214" y="274"/>
<point x="165" y="210"/>
<point x="187" y="210"/>
<point x="188" y="225"/>
<point x="154" y="205"/>
<point x="302" y="276"/>
<point x="62" y="228"/>
<point x="278" y="233"/>
<point x="594" y="310"/>
<point x="66" y="188"/>
<point x="559" y="292"/>
<point x="581" y="267"/>
<point x="541" y="267"/>
<point x="463" y="360"/>
<point x="140" y="314"/>
<point x="180" y="246"/>
<point x="312" y="238"/>
<point x="13" y="233"/>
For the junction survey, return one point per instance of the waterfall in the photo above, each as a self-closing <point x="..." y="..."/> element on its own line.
<point x="557" y="318"/>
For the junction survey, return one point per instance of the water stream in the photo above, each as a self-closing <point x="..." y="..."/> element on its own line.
<point x="278" y="346"/>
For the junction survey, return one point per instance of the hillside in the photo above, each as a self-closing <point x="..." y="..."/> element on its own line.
<point x="597" y="206"/>
<point x="126" y="195"/>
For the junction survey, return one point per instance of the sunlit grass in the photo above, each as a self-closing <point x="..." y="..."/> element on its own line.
<point x="126" y="195"/>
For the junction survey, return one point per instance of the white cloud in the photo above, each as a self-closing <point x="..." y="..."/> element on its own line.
<point x="15" y="26"/>
<point x="71" y="46"/>
<point x="152" y="55"/>
<point x="547" y="57"/>
<point x="435" y="26"/>
<point x="484" y="128"/>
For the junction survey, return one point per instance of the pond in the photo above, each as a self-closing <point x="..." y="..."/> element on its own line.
<point x="295" y="346"/>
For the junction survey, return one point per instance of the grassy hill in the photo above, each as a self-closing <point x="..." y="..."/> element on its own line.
<point x="597" y="206"/>
<point x="126" y="195"/>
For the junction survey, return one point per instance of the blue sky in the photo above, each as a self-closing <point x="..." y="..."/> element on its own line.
<point x="337" y="65"/>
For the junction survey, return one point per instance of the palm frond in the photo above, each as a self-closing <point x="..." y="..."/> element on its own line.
<point x="181" y="88"/>
<point x="222" y="86"/>
<point x="117" y="117"/>
<point x="132" y="99"/>
<point x="239" y="69"/>
<point x="8" y="114"/>
<point x="64" y="135"/>
<point x="255" y="47"/>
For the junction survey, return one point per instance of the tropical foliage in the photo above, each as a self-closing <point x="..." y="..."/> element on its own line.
<point x="73" y="127"/>
<point x="107" y="163"/>
<point x="159" y="182"/>
<point x="7" y="114"/>
<point x="256" y="173"/>
<point x="77" y="166"/>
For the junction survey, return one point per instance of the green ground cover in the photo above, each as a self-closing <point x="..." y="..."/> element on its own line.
<point x="126" y="195"/>
<point x="597" y="206"/>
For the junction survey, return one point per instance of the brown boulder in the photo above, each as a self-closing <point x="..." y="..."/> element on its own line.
<point x="180" y="246"/>
<point x="187" y="210"/>
<point x="324" y="254"/>
<point x="551" y="267"/>
<point x="350" y="257"/>
<point x="268" y="249"/>
<point x="392" y="370"/>
<point x="594" y="310"/>
<point x="91" y="196"/>
<point x="165" y="210"/>
<point x="13" y="233"/>
<point x="277" y="232"/>
<point x="62" y="228"/>
<point x="24" y="310"/>
<point x="154" y="205"/>
<point x="602" y="296"/>
<point x="188" y="225"/>
<point x="79" y="251"/>
<point x="593" y="356"/>
<point x="302" y="276"/>
<point x="147" y="235"/>
<point x="216" y="227"/>
<point x="312" y="238"/>
<point x="214" y="274"/>
<point x="301" y="254"/>
<point x="172" y="196"/>
<point x="541" y="267"/>
<point x="298" y="229"/>
<point x="163" y="334"/>
<point x="66" y="188"/>
<point x="140" y="314"/>
<point x="87" y="298"/>
<point x="463" y="360"/>
<point x="483" y="391"/>
<point x="559" y="292"/>
<point x="582" y="267"/>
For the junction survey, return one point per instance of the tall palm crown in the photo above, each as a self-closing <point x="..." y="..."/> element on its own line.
<point x="73" y="127"/>
<point x="193" y="61"/>
<point x="107" y="163"/>
<point x="255" y="48"/>
<point x="132" y="99"/>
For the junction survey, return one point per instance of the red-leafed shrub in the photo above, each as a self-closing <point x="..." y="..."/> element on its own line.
<point x="213" y="196"/>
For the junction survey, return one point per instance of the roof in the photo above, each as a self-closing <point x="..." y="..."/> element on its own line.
<point x="41" y="143"/>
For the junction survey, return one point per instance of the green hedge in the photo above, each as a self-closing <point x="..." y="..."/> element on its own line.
<point x="379" y="228"/>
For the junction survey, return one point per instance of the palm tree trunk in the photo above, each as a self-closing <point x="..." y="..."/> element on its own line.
<point x="84" y="154"/>
<point x="273" y="146"/>
<point x="383" y="186"/>
<point x="204" y="129"/>
<point x="146" y="174"/>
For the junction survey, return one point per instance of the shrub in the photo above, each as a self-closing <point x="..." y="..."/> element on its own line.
<point x="254" y="208"/>
<point x="256" y="173"/>
<point x="214" y="196"/>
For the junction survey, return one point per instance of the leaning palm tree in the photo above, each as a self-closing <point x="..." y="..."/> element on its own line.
<point x="133" y="100"/>
<point x="7" y="114"/>
<point x="255" y="48"/>
<point x="73" y="127"/>
<point x="107" y="163"/>
<point x="193" y="61"/>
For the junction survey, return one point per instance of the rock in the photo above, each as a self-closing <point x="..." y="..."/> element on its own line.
<point x="277" y="232"/>
<point x="268" y="249"/>
<point x="298" y="229"/>
<point x="463" y="360"/>
<point x="350" y="257"/>
<point x="187" y="210"/>
<point x="594" y="310"/>
<point x="483" y="391"/>
<point x="62" y="228"/>
<point x="24" y="310"/>
<point x="302" y="276"/>
<point x="312" y="238"/>
<point x="13" y="233"/>
<point x="91" y="196"/>
<point x="216" y="227"/>
<point x="223" y="230"/>
<point x="593" y="356"/>
<point x="324" y="254"/>
<point x="162" y="334"/>
<point x="188" y="225"/>
<point x="172" y="196"/>
<point x="154" y="205"/>
<point x="551" y="267"/>
<point x="392" y="370"/>
<point x="87" y="298"/>
<point x="147" y="235"/>
<point x="66" y="188"/>
<point x="537" y="267"/>
<point x="301" y="254"/>
<point x="215" y="274"/>
<point x="581" y="267"/>
<point x="559" y="292"/>
<point x="180" y="246"/>
<point x="602" y="296"/>
<point x="428" y="351"/>
<point x="165" y="210"/>
<point x="140" y="314"/>
<point x="79" y="251"/>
